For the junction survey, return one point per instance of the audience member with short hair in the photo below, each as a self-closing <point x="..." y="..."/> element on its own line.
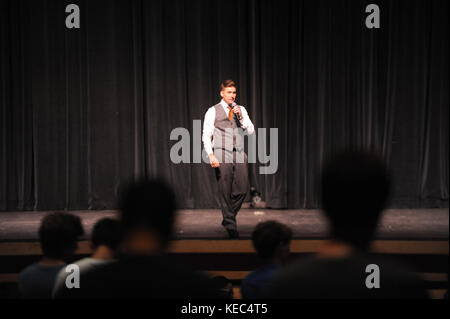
<point x="142" y="270"/>
<point x="104" y="243"/>
<point x="58" y="234"/>
<point x="271" y="241"/>
<point x="355" y="187"/>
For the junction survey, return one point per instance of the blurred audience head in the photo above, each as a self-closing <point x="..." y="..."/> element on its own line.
<point x="271" y="240"/>
<point x="106" y="232"/>
<point x="355" y="187"/>
<point x="58" y="234"/>
<point x="148" y="205"/>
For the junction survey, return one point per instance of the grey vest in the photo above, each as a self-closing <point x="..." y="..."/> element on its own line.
<point x="227" y="134"/>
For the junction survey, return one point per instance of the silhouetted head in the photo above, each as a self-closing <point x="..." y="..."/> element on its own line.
<point x="271" y="240"/>
<point x="58" y="235"/>
<point x="148" y="204"/>
<point x="355" y="187"/>
<point x="106" y="232"/>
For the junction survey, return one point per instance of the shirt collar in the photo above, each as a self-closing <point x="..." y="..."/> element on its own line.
<point x="224" y="104"/>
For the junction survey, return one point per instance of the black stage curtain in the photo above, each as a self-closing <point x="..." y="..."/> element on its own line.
<point x="84" y="109"/>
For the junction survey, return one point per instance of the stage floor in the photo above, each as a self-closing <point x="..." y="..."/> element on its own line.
<point x="397" y="224"/>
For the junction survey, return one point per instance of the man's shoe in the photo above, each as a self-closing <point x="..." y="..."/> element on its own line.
<point x="233" y="234"/>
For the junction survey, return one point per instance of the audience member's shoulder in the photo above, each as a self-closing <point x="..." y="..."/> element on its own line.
<point x="182" y="280"/>
<point x="36" y="269"/>
<point x="26" y="275"/>
<point x="393" y="269"/>
<point x="397" y="278"/>
<point x="90" y="281"/>
<point x="296" y="269"/>
<point x="346" y="278"/>
<point x="142" y="277"/>
<point x="28" y="269"/>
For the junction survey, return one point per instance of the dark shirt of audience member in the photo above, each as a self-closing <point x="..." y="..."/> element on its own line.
<point x="143" y="269"/>
<point x="58" y="234"/>
<point x="225" y="285"/>
<point x="355" y="188"/>
<point x="104" y="243"/>
<point x="271" y="241"/>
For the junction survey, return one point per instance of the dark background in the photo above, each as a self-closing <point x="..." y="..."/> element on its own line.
<point x="81" y="110"/>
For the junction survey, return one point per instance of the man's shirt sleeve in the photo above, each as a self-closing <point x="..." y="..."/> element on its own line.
<point x="208" y="130"/>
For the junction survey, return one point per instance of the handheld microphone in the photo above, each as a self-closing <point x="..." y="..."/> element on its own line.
<point x="236" y="117"/>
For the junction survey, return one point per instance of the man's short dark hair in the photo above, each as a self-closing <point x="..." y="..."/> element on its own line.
<point x="227" y="84"/>
<point x="58" y="234"/>
<point x="106" y="232"/>
<point x="355" y="186"/>
<point x="150" y="204"/>
<point x="267" y="237"/>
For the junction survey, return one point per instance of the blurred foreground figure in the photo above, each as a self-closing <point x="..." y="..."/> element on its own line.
<point x="58" y="234"/>
<point x="147" y="213"/>
<point x="271" y="241"/>
<point x="104" y="242"/>
<point x="355" y="189"/>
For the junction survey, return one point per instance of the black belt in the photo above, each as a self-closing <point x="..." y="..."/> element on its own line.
<point x="234" y="149"/>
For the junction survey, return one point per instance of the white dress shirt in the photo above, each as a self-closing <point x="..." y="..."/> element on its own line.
<point x="208" y="125"/>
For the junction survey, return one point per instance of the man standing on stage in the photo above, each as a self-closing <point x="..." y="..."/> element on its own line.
<point x="226" y="123"/>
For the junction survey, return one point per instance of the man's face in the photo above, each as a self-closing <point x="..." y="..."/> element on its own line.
<point x="228" y="94"/>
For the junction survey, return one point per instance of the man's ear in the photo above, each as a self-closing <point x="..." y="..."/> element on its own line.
<point x="221" y="93"/>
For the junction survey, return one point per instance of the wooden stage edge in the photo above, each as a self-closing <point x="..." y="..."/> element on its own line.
<point x="437" y="247"/>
